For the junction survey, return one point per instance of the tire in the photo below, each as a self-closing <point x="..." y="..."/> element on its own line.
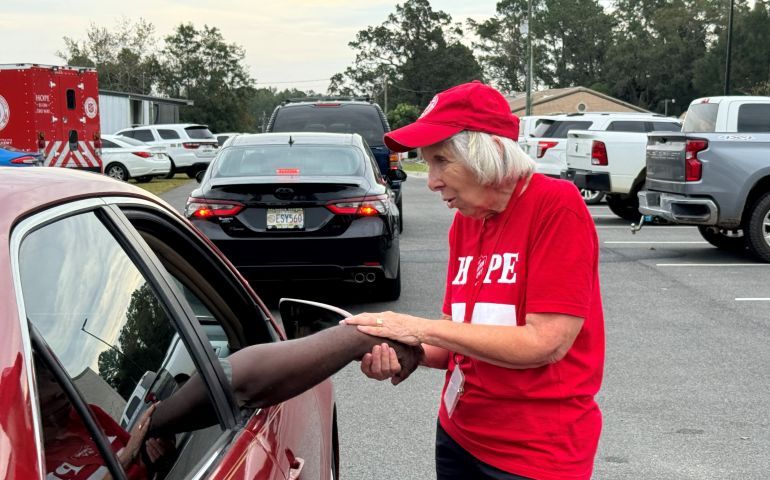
<point x="144" y="179"/>
<point x="591" y="197"/>
<point x="117" y="171"/>
<point x="723" y="239"/>
<point x="624" y="206"/>
<point x="390" y="289"/>
<point x="335" y="453"/>
<point x="400" y="206"/>
<point x="171" y="171"/>
<point x="757" y="230"/>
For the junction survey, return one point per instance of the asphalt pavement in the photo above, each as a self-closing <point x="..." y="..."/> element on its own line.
<point x="686" y="359"/>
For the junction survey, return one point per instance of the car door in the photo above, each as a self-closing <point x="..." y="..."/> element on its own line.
<point x="97" y="297"/>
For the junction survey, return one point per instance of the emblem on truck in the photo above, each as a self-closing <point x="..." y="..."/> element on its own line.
<point x="91" y="107"/>
<point x="5" y="112"/>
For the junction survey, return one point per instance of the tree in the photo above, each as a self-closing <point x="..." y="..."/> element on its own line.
<point x="417" y="49"/>
<point x="201" y="66"/>
<point x="403" y="114"/>
<point x="125" y="59"/>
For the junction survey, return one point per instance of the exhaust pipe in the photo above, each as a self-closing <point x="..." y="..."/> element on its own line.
<point x="370" y="277"/>
<point x="359" y="277"/>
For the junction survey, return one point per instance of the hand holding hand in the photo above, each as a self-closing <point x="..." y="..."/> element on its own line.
<point x="399" y="327"/>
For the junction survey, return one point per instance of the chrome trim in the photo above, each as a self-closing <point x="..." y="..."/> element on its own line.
<point x="664" y="208"/>
<point x="24" y="228"/>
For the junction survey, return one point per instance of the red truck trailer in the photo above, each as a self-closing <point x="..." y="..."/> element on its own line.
<point x="53" y="111"/>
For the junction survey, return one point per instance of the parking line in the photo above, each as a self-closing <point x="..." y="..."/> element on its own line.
<point x="752" y="299"/>
<point x="698" y="242"/>
<point x="712" y="264"/>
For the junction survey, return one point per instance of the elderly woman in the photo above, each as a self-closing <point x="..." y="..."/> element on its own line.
<point x="523" y="340"/>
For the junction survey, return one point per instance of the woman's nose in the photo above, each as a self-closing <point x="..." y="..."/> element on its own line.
<point x="434" y="181"/>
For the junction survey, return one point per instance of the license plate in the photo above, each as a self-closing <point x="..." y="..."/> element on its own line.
<point x="285" y="218"/>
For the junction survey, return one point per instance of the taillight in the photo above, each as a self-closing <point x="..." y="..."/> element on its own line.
<point x="543" y="147"/>
<point x="25" y="160"/>
<point x="97" y="140"/>
<point x="191" y="146"/>
<point x="598" y="153"/>
<point x="287" y="171"/>
<point x="143" y="154"/>
<point x="693" y="168"/>
<point x="41" y="141"/>
<point x="202" y="208"/>
<point x="395" y="161"/>
<point x="363" y="207"/>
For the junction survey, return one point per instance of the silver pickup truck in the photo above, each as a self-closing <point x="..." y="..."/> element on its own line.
<point x="715" y="174"/>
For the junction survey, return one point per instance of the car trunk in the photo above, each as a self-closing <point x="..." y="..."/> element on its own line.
<point x="665" y="159"/>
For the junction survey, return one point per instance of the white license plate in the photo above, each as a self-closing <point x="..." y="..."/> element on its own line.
<point x="285" y="218"/>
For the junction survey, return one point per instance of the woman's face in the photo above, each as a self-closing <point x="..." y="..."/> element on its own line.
<point x="456" y="183"/>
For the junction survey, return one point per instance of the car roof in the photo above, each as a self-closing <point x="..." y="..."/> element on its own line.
<point x="166" y="125"/>
<point x="300" y="103"/>
<point x="24" y="191"/>
<point x="305" y="138"/>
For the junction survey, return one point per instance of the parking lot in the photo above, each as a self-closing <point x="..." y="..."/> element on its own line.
<point x="685" y="378"/>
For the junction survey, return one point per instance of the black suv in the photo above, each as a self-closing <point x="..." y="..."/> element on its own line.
<point x="334" y="115"/>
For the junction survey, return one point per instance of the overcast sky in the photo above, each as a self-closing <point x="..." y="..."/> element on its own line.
<point x="288" y="43"/>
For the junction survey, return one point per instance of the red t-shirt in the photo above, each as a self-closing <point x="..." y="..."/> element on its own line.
<point x="73" y="455"/>
<point x="541" y="422"/>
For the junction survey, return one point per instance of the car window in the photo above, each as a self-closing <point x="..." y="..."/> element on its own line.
<point x="754" y="117"/>
<point x="627" y="126"/>
<point x="541" y="128"/>
<point x="167" y="134"/>
<point x="143" y="135"/>
<point x="127" y="134"/>
<point x="133" y="142"/>
<point x="291" y="160"/>
<point x="560" y="128"/>
<point x="109" y="144"/>
<point x="199" y="133"/>
<point x="701" y="117"/>
<point x="104" y="321"/>
<point x="332" y="118"/>
<point x="666" y="127"/>
<point x="379" y="178"/>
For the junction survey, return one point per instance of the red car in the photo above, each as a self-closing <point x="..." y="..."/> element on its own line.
<point x="112" y="300"/>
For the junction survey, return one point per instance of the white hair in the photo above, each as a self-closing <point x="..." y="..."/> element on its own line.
<point x="482" y="155"/>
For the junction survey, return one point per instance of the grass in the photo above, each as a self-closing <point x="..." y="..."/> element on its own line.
<point x="414" y="166"/>
<point x="162" y="185"/>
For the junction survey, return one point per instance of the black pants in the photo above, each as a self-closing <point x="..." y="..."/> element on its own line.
<point x="453" y="462"/>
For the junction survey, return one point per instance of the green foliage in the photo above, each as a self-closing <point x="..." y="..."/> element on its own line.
<point x="417" y="49"/>
<point x="403" y="114"/>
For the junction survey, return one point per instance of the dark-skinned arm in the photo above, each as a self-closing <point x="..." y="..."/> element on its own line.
<point x="270" y="373"/>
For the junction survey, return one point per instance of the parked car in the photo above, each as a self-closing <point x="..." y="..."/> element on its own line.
<point x="11" y="157"/>
<point x="527" y="126"/>
<point x="613" y="162"/>
<point x="301" y="206"/>
<point x="190" y="146"/>
<point x="125" y="158"/>
<point x="715" y="173"/>
<point x="111" y="295"/>
<point x="363" y="117"/>
<point x="547" y="146"/>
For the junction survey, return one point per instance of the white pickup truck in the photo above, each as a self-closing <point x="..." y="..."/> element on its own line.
<point x="613" y="161"/>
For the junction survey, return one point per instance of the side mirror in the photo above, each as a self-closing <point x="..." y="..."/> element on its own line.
<point x="304" y="317"/>
<point x="199" y="175"/>
<point x="396" y="175"/>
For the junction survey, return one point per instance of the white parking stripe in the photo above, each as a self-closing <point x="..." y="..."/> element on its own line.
<point x="699" y="242"/>
<point x="752" y="299"/>
<point x="712" y="264"/>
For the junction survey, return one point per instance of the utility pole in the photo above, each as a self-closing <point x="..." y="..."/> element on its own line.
<point x="665" y="105"/>
<point x="729" y="48"/>
<point x="525" y="29"/>
<point x="385" y="87"/>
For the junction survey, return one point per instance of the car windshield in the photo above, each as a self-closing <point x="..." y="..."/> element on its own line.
<point x="200" y="133"/>
<point x="701" y="117"/>
<point x="333" y="118"/>
<point x="293" y="160"/>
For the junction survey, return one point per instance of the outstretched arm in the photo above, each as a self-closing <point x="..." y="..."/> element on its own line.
<point x="270" y="373"/>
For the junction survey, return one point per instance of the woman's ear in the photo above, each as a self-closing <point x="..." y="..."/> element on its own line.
<point x="498" y="145"/>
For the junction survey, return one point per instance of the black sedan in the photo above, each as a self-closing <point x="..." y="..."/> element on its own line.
<point x="301" y="206"/>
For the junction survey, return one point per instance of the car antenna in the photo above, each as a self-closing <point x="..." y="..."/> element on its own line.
<point x="291" y="141"/>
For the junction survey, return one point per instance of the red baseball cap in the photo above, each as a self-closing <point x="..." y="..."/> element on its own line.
<point x="470" y="106"/>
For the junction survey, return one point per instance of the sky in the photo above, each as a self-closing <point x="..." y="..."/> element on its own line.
<point x="288" y="43"/>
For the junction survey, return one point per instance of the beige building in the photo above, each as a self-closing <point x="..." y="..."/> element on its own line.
<point x="569" y="100"/>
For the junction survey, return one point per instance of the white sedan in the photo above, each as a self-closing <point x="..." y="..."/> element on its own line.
<point x="125" y="158"/>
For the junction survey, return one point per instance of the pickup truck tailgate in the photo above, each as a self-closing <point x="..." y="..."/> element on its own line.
<point x="665" y="157"/>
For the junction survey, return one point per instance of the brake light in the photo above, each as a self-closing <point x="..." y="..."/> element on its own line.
<point x="97" y="140"/>
<point x="598" y="153"/>
<point x="287" y="171"/>
<point x="41" y="140"/>
<point x="363" y="207"/>
<point x="203" y="208"/>
<point x="25" y="160"/>
<point x="693" y="168"/>
<point x="143" y="154"/>
<point x="543" y="147"/>
<point x="395" y="161"/>
<point x="326" y="105"/>
<point x="191" y="146"/>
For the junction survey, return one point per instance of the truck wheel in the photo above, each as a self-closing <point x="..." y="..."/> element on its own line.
<point x="758" y="228"/>
<point x="117" y="171"/>
<point x="624" y="206"/>
<point x="592" y="197"/>
<point x="723" y="239"/>
<point x="171" y="171"/>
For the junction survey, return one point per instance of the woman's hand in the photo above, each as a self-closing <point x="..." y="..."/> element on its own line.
<point x="396" y="326"/>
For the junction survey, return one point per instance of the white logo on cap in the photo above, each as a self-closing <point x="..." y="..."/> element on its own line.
<point x="430" y="106"/>
<point x="5" y="113"/>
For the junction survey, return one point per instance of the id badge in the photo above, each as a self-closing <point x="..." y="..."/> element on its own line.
<point x="454" y="390"/>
